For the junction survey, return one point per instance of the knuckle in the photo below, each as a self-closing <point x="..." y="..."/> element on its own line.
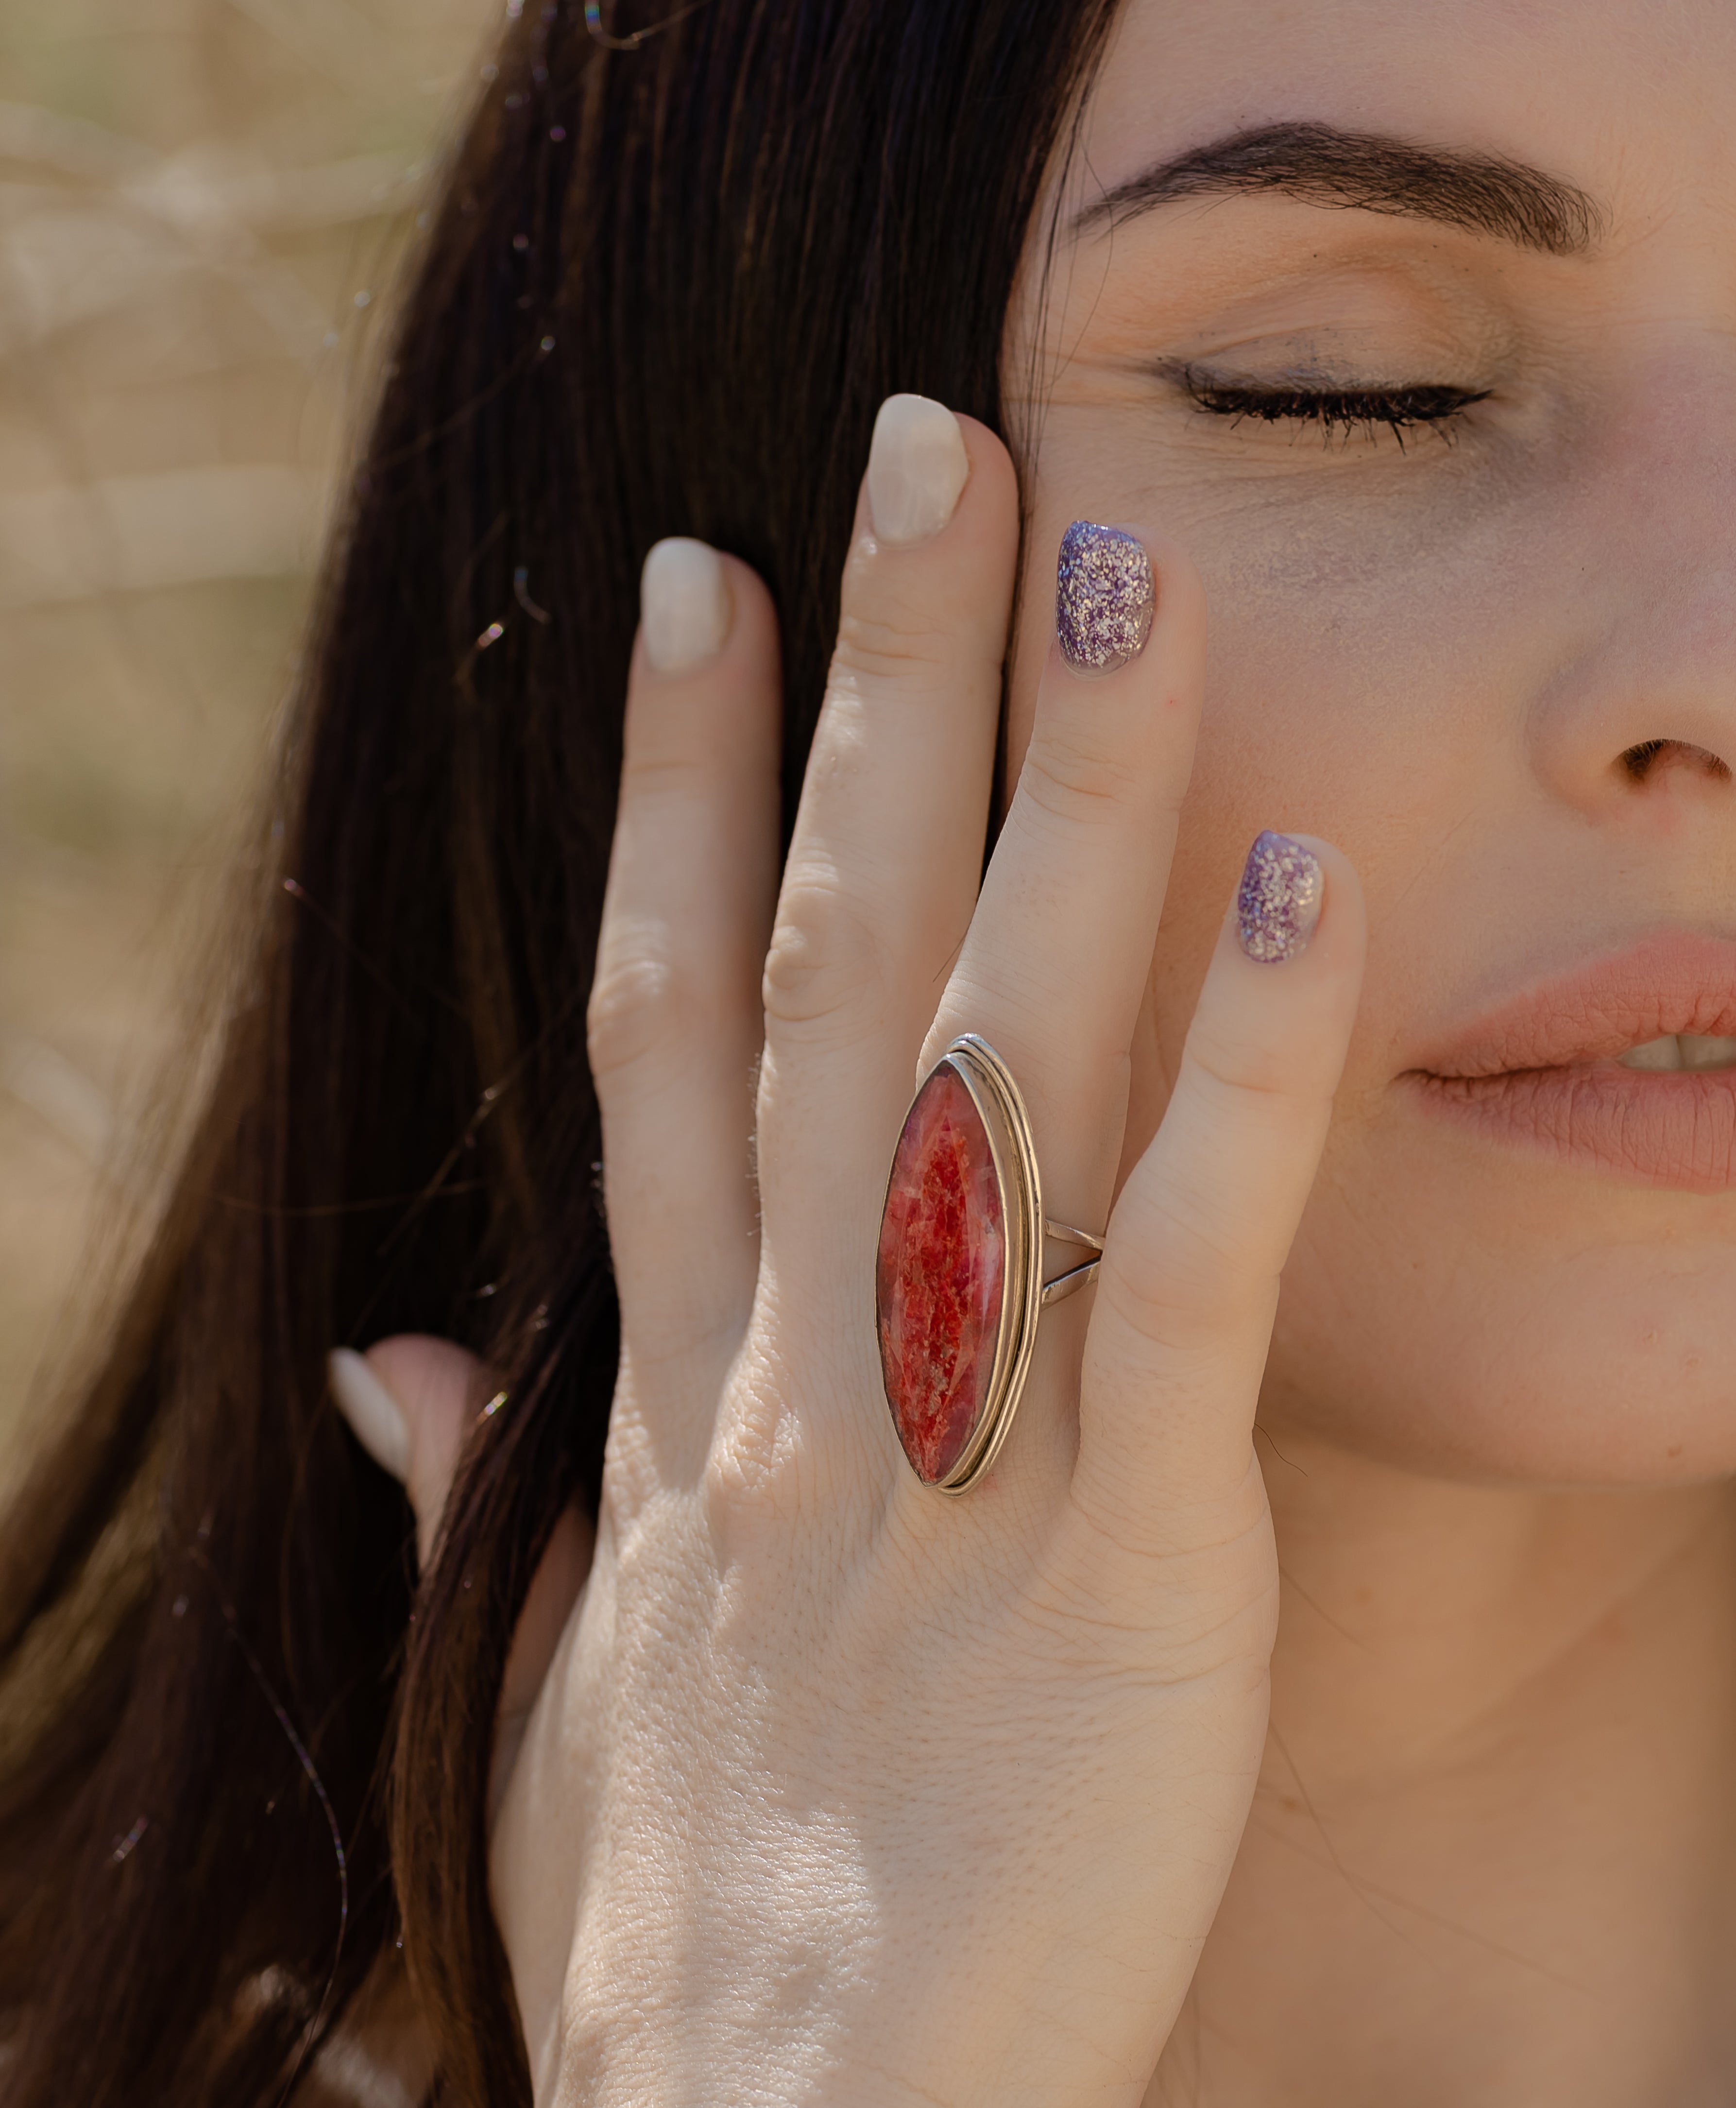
<point x="752" y="1486"/>
<point x="1176" y="1271"/>
<point x="1069" y="780"/>
<point x="783" y="1448"/>
<point x="1185" y="1332"/>
<point x="1250" y="1078"/>
<point x="630" y="1475"/>
<point x="748" y="1486"/>
<point x="1176" y="1253"/>
<point x="894" y="646"/>
<point x="824" y="958"/>
<point x="657" y="771"/>
<point x="638" y="1004"/>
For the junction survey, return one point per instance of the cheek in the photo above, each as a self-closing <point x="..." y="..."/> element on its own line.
<point x="1375" y="696"/>
<point x="1315" y="722"/>
<point x="1458" y="1313"/>
<point x="1455" y="1310"/>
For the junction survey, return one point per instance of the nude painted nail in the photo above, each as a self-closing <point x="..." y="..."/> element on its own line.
<point x="1104" y="598"/>
<point x="375" y="1415"/>
<point x="917" y="469"/>
<point x="1279" y="900"/>
<point x="684" y="604"/>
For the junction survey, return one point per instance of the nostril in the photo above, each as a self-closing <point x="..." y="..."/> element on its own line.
<point x="1652" y="756"/>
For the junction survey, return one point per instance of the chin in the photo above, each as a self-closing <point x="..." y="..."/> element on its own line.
<point x="1509" y="1322"/>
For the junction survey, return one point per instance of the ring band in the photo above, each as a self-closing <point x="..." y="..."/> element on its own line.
<point x="959" y="1283"/>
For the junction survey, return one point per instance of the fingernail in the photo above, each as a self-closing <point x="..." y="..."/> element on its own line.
<point x="917" y="467"/>
<point x="684" y="604"/>
<point x="1279" y="900"/>
<point x="374" y="1415"/>
<point x="1104" y="598"/>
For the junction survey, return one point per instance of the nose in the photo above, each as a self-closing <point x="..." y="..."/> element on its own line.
<point x="1638" y="718"/>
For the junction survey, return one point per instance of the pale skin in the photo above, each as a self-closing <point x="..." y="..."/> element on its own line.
<point x="834" y="1789"/>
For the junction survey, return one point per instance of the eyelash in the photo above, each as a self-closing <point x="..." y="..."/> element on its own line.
<point x="1345" y="410"/>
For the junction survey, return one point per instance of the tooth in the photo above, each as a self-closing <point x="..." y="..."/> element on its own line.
<point x="1665" y="1053"/>
<point x="1698" y="1052"/>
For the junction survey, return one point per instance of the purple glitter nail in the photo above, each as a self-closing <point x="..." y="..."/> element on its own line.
<point x="1104" y="598"/>
<point x="1278" y="901"/>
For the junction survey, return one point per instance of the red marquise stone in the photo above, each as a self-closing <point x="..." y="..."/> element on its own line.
<point x="938" y="1283"/>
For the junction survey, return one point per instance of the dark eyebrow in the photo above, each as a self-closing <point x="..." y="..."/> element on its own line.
<point x="1374" y="172"/>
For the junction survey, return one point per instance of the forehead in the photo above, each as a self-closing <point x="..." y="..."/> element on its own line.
<point x="1635" y="99"/>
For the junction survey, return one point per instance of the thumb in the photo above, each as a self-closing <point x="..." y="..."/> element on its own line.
<point x="410" y="1402"/>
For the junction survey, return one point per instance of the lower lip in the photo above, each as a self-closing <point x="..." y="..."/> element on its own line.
<point x="1675" y="1129"/>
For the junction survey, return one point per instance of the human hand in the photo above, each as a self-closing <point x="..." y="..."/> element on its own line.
<point x="412" y="1402"/>
<point x="838" y="1788"/>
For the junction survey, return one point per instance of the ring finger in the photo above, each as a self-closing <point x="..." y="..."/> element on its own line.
<point x="1054" y="967"/>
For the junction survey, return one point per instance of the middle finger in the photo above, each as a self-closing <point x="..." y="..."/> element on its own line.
<point x="887" y="856"/>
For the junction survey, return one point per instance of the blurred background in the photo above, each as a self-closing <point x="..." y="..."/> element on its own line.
<point x="202" y="207"/>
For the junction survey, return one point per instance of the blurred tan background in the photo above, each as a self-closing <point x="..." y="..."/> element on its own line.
<point x="201" y="201"/>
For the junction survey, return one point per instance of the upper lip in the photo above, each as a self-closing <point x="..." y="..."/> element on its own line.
<point x="1671" y="984"/>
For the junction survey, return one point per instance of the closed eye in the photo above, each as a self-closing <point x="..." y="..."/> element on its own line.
<point x="1347" y="411"/>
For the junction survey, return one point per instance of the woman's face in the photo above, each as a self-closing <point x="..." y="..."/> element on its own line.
<point x="1491" y="654"/>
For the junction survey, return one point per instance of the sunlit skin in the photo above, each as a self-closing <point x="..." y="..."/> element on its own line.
<point x="1491" y="1858"/>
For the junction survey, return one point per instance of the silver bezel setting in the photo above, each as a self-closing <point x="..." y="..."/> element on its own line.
<point x="1024" y="1294"/>
<point x="1013" y="1151"/>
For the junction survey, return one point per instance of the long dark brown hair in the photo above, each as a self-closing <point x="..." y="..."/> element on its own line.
<point x="665" y="288"/>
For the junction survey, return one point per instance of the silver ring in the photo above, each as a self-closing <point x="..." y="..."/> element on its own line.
<point x="959" y="1283"/>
